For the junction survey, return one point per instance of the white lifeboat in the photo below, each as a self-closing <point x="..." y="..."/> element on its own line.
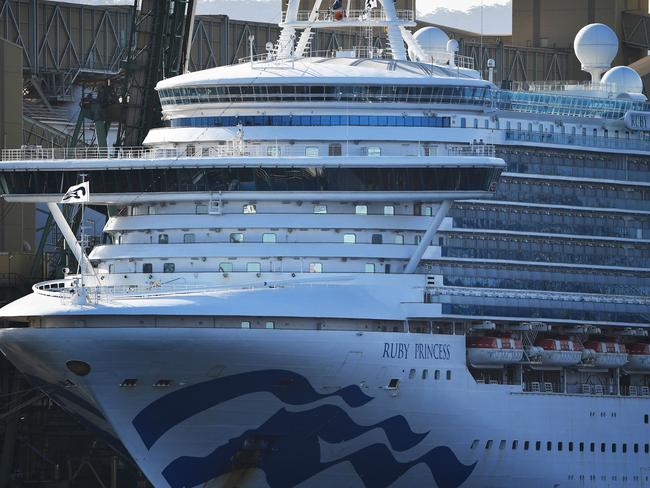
<point x="559" y="352"/>
<point x="492" y="351"/>
<point x="638" y="358"/>
<point x="607" y="354"/>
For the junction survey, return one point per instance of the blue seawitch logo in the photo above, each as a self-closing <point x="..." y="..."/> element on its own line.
<point x="287" y="446"/>
<point x="290" y="388"/>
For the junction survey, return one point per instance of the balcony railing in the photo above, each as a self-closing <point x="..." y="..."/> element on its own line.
<point x="622" y="143"/>
<point x="198" y="151"/>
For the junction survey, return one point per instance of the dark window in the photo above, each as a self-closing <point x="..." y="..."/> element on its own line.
<point x="538" y="445"/>
<point x="582" y="447"/>
<point x="376" y="239"/>
<point x="147" y="268"/>
<point x="526" y="445"/>
<point x="163" y="239"/>
<point x="488" y="445"/>
<point x="169" y="267"/>
<point x="448" y="375"/>
<point x="570" y="446"/>
<point x="514" y="444"/>
<point x="549" y="445"/>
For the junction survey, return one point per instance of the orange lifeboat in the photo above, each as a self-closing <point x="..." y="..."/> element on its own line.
<point x="494" y="351"/>
<point x="607" y="354"/>
<point x="559" y="352"/>
<point x="638" y="358"/>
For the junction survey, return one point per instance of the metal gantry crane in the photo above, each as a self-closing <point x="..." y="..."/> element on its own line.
<point x="160" y="44"/>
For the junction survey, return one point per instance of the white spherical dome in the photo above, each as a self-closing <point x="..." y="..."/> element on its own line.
<point x="623" y="79"/>
<point x="432" y="40"/>
<point x="596" y="46"/>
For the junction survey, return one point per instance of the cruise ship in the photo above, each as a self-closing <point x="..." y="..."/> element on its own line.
<point x="358" y="268"/>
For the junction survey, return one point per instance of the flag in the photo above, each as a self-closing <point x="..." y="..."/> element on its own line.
<point x="77" y="193"/>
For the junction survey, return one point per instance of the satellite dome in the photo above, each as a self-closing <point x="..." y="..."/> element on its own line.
<point x="596" y="46"/>
<point x="432" y="40"/>
<point x="623" y="79"/>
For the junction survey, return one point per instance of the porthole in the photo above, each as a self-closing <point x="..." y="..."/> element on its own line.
<point x="80" y="368"/>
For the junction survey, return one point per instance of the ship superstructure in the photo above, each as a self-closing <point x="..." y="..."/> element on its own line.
<point x="353" y="267"/>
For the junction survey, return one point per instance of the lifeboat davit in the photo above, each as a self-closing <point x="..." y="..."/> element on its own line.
<point x="559" y="352"/>
<point x="638" y="358"/>
<point x="494" y="351"/>
<point x="606" y="354"/>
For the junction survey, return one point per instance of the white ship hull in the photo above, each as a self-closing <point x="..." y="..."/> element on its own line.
<point x="314" y="408"/>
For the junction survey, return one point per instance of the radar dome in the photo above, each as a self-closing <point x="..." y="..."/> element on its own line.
<point x="432" y="40"/>
<point x="623" y="79"/>
<point x="596" y="46"/>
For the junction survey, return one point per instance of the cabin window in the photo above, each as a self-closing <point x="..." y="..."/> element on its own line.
<point x="169" y="267"/>
<point x="448" y="375"/>
<point x="570" y="446"/>
<point x="253" y="267"/>
<point x="111" y="268"/>
<point x="592" y="446"/>
<point x="476" y="123"/>
<point x="645" y="418"/>
<point x="335" y="149"/>
<point x="373" y="151"/>
<point x="474" y="444"/>
<point x="624" y="448"/>
<point x="163" y="239"/>
<point x="250" y="208"/>
<point x="147" y="268"/>
<point x="399" y="239"/>
<point x="389" y="210"/>
<point x="647" y="448"/>
<point x="245" y="324"/>
<point x="387" y="269"/>
<point x="538" y="445"/>
<point x="425" y="374"/>
<point x="315" y="267"/>
<point x="487" y="123"/>
<point x="418" y="239"/>
<point x="369" y="268"/>
<point x="225" y="267"/>
<point x="151" y="210"/>
<point x="269" y="325"/>
<point x="311" y="151"/>
<point x="201" y="209"/>
<point x="463" y="122"/>
<point x="603" y="448"/>
<point x="269" y="238"/>
<point x="515" y="444"/>
<point x="377" y="239"/>
<point x="613" y="447"/>
<point x="189" y="238"/>
<point x="320" y="209"/>
<point x="349" y="238"/>
<point x="502" y="444"/>
<point x="526" y="445"/>
<point x="236" y="237"/>
<point x="436" y="374"/>
<point x="559" y="446"/>
<point x="488" y="445"/>
<point x="273" y="151"/>
<point x="361" y="209"/>
<point x="636" y="448"/>
<point x="411" y="374"/>
<point x="393" y="383"/>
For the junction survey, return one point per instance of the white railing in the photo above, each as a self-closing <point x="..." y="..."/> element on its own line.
<point x="197" y="151"/>
<point x="327" y="15"/>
